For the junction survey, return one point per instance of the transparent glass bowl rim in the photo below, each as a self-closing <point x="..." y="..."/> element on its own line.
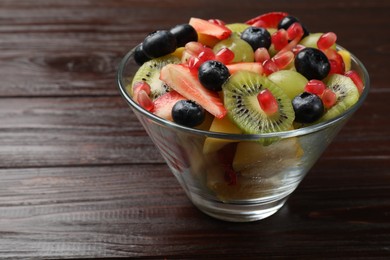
<point x="243" y="137"/>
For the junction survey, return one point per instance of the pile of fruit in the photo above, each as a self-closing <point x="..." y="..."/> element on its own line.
<point x="268" y="74"/>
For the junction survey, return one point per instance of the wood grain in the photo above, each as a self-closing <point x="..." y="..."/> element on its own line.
<point x="80" y="178"/>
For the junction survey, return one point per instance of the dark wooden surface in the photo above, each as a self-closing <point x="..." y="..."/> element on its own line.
<point x="79" y="178"/>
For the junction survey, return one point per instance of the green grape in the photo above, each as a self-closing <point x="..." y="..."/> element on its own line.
<point x="290" y="81"/>
<point x="311" y="40"/>
<point x="237" y="27"/>
<point x="242" y="50"/>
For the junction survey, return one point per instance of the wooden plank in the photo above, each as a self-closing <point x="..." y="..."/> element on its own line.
<point x="140" y="210"/>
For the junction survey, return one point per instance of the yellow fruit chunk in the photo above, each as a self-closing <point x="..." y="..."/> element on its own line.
<point x="223" y="125"/>
<point x="179" y="52"/>
<point x="346" y="55"/>
<point x="207" y="40"/>
<point x="253" y="159"/>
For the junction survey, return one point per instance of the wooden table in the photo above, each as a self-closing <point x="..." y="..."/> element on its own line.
<point x="79" y="177"/>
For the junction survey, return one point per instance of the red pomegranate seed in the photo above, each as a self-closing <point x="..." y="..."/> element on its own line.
<point x="206" y="54"/>
<point x="329" y="98"/>
<point x="337" y="65"/>
<point x="267" y="102"/>
<point x="224" y="55"/>
<point x="297" y="48"/>
<point x="326" y="40"/>
<point x="194" y="64"/>
<point x="141" y="85"/>
<point x="269" y="67"/>
<point x="295" y="31"/>
<point x="144" y="100"/>
<point x="217" y="21"/>
<point x="279" y="39"/>
<point x="261" y="55"/>
<point x="356" y="79"/>
<point x="194" y="48"/>
<point x="315" y="86"/>
<point x="283" y="59"/>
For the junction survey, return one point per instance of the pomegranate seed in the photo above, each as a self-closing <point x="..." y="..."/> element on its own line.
<point x="261" y="55"/>
<point x="297" y="48"/>
<point x="144" y="100"/>
<point x="295" y="31"/>
<point x="283" y="59"/>
<point x="279" y="39"/>
<point x="141" y="85"/>
<point x="217" y="21"/>
<point x="337" y="65"/>
<point x="356" y="79"/>
<point x="267" y="102"/>
<point x="269" y="67"/>
<point x="224" y="55"/>
<point x="326" y="40"/>
<point x="194" y="64"/>
<point x="206" y="55"/>
<point x="194" y="48"/>
<point x="329" y="98"/>
<point x="315" y="86"/>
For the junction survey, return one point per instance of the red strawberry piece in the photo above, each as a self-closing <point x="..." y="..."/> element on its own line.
<point x="267" y="20"/>
<point x="164" y="103"/>
<point x="356" y="79"/>
<point x="267" y="102"/>
<point x="217" y="21"/>
<point x="225" y="158"/>
<point x="315" y="86"/>
<point x="329" y="98"/>
<point x="208" y="28"/>
<point x="249" y="66"/>
<point x="180" y="78"/>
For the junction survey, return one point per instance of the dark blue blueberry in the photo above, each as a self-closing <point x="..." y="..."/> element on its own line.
<point x="312" y="63"/>
<point x="257" y="37"/>
<point x="212" y="74"/>
<point x="308" y="108"/>
<point x="184" y="33"/>
<point x="159" y="43"/>
<point x="288" y="21"/>
<point x="140" y="56"/>
<point x="188" y="113"/>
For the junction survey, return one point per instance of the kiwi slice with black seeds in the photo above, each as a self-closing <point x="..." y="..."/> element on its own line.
<point x="240" y="99"/>
<point x="150" y="73"/>
<point x="346" y="92"/>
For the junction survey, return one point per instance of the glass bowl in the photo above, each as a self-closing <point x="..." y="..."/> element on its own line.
<point x="235" y="177"/>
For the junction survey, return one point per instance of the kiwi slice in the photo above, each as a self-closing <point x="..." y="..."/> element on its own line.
<point x="150" y="73"/>
<point x="240" y="99"/>
<point x="346" y="92"/>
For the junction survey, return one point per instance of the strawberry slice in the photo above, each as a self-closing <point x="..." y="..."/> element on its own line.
<point x="164" y="103"/>
<point x="208" y="28"/>
<point x="256" y="67"/>
<point x="180" y="78"/>
<point x="267" y="20"/>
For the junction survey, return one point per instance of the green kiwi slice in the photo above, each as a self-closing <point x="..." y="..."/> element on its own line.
<point x="240" y="99"/>
<point x="346" y="92"/>
<point x="150" y="73"/>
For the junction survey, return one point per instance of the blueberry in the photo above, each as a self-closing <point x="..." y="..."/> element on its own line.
<point x="184" y="33"/>
<point x="308" y="108"/>
<point x="140" y="56"/>
<point x="212" y="74"/>
<point x="188" y="113"/>
<point x="289" y="20"/>
<point x="312" y="63"/>
<point x="159" y="43"/>
<point x="257" y="37"/>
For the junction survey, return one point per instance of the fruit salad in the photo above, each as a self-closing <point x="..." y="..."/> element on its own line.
<point x="265" y="75"/>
